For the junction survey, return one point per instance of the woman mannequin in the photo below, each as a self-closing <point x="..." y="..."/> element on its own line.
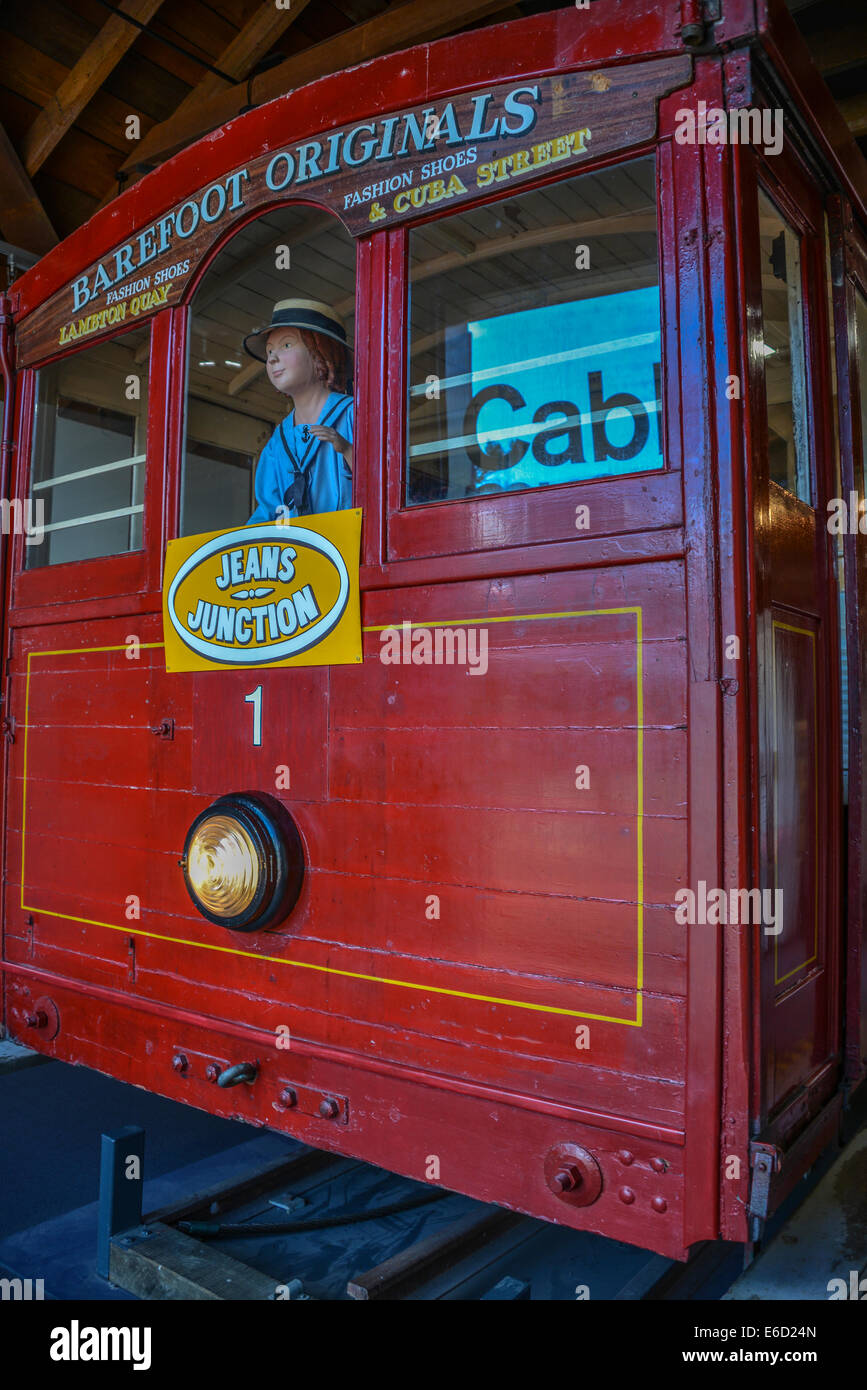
<point x="306" y="466"/>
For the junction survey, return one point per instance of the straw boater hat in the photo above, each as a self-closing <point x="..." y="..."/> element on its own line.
<point x="297" y="313"/>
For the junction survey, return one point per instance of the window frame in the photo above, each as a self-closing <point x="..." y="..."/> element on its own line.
<point x="809" y="238"/>
<point x="130" y="572"/>
<point x="182" y="314"/>
<point x="529" y="516"/>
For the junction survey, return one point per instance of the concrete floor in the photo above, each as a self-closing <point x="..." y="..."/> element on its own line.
<point x="52" y="1118"/>
<point x="822" y="1250"/>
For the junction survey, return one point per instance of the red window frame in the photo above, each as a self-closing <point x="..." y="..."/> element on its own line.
<point x="532" y="516"/>
<point x="132" y="572"/>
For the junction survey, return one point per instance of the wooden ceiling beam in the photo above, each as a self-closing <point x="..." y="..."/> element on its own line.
<point x="93" y="67"/>
<point x="23" y="219"/>
<point x="400" y="26"/>
<point x="28" y="73"/>
<point x="251" y="43"/>
<point x="623" y="224"/>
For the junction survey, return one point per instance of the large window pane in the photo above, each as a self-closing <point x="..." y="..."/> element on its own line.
<point x="783" y="348"/>
<point x="89" y="450"/>
<point x="232" y="408"/>
<point x="534" y="346"/>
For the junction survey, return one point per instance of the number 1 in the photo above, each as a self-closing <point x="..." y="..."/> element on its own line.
<point x="255" y="699"/>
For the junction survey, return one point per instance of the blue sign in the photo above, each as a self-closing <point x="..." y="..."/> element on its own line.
<point x="563" y="393"/>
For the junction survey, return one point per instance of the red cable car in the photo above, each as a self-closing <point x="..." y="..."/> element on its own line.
<point x="556" y="897"/>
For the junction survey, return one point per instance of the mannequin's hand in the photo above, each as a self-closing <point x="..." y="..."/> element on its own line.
<point x="331" y="437"/>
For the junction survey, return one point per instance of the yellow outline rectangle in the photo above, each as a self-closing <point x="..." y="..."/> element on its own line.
<point x="376" y="979"/>
<point x="802" y="632"/>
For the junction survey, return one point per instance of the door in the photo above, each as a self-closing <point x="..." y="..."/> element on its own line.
<point x="850" y="321"/>
<point x="798" y="724"/>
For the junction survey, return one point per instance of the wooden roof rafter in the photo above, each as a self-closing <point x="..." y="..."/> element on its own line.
<point x="400" y="26"/>
<point x="99" y="59"/>
<point x="23" y="219"/>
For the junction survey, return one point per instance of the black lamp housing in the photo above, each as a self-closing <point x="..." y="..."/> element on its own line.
<point x="279" y="852"/>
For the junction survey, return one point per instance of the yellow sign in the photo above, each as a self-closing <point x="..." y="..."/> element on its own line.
<point x="272" y="594"/>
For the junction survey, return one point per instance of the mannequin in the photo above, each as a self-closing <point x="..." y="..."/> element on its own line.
<point x="306" y="466"/>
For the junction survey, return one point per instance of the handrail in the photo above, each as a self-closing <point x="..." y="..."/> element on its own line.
<point x="89" y="472"/>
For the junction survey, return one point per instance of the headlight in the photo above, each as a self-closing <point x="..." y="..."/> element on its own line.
<point x="243" y="863"/>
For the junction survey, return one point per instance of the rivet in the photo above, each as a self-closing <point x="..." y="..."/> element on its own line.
<point x="212" y="1071"/>
<point x="328" y="1108"/>
<point x="626" y="1157"/>
<point x="659" y="1165"/>
<point x="659" y="1204"/>
<point x="288" y="1098"/>
<point x="179" y="1062"/>
<point x="626" y="1195"/>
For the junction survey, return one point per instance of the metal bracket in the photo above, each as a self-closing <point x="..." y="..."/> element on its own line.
<point x="697" y="17"/>
<point x="120" y="1191"/>
<point x="765" y="1161"/>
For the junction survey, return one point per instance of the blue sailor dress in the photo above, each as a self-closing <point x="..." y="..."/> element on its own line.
<point x="291" y="467"/>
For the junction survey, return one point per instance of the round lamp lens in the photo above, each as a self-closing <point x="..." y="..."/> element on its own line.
<point x="243" y="862"/>
<point x="223" y="866"/>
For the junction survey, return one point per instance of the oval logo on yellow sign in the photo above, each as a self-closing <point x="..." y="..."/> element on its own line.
<point x="258" y="595"/>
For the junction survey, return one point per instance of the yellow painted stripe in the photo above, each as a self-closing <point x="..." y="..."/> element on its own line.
<point x="378" y="979"/>
<point x="512" y="618"/>
<point x="801" y="632"/>
<point x="83" y="651"/>
<point x="329" y="969"/>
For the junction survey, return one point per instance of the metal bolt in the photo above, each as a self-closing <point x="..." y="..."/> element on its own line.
<point x="328" y="1108"/>
<point x="659" y="1204"/>
<point x="568" y="1179"/>
<point x="288" y="1098"/>
<point x="626" y="1195"/>
<point x="38" y="1019"/>
<point x="659" y="1165"/>
<point x="626" y="1157"/>
<point x="212" y="1071"/>
<point x="179" y="1062"/>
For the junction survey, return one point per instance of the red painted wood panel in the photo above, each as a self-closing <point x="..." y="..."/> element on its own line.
<point x="555" y="936"/>
<point x="510" y="769"/>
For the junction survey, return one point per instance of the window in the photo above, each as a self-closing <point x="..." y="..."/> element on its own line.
<point x="232" y="408"/>
<point x="220" y="481"/>
<point x="89" y="452"/>
<point x="861" y="341"/>
<point x="783" y="349"/>
<point x="534" y="340"/>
